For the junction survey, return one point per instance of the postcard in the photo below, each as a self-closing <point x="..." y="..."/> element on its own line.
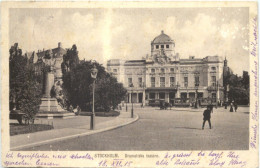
<point x="129" y="84"/>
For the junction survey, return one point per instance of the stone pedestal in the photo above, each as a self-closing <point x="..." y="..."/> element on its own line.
<point x="50" y="105"/>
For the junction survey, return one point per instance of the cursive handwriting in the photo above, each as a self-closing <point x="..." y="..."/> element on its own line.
<point x="253" y="139"/>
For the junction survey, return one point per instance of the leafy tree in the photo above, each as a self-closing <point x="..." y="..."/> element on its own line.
<point x="238" y="88"/>
<point x="78" y="83"/>
<point x="70" y="59"/>
<point x="25" y="91"/>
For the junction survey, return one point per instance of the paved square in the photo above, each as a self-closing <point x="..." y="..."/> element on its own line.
<point x="175" y="129"/>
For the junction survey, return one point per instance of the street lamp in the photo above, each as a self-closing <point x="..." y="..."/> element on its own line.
<point x="94" y="72"/>
<point x="186" y="85"/>
<point x="132" y="110"/>
<point x="196" y="96"/>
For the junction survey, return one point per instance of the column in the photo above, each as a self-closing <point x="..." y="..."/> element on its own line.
<point x="156" y="95"/>
<point x="167" y="97"/>
<point x="137" y="97"/>
<point x="130" y="97"/>
<point x="144" y="98"/>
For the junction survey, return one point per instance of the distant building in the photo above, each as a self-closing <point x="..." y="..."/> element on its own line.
<point x="43" y="58"/>
<point x="165" y="76"/>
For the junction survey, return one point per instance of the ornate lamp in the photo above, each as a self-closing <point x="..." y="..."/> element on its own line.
<point x="132" y="110"/>
<point x="94" y="72"/>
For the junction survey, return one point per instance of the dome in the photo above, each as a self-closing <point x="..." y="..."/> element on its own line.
<point x="162" y="38"/>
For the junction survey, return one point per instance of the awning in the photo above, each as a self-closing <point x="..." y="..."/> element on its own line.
<point x="161" y="89"/>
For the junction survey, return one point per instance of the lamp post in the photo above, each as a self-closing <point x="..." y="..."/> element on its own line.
<point x="186" y="85"/>
<point x="94" y="72"/>
<point x="132" y="110"/>
<point x="216" y="94"/>
<point x="196" y="96"/>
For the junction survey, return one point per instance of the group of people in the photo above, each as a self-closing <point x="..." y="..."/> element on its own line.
<point x="76" y="111"/>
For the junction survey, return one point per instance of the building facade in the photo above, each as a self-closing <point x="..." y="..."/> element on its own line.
<point x="164" y="76"/>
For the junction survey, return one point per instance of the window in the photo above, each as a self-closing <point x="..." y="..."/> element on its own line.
<point x="151" y="95"/>
<point x="152" y="70"/>
<point x="115" y="70"/>
<point x="162" y="95"/>
<point x="186" y="81"/>
<point x="140" y="82"/>
<point x="162" y="70"/>
<point x="172" y="81"/>
<point x="167" y="46"/>
<point x="162" y="81"/>
<point x="197" y="80"/>
<point x="162" y="46"/>
<point x="213" y="80"/>
<point x="129" y="82"/>
<point x="172" y="69"/>
<point x="157" y="46"/>
<point x="152" y="81"/>
<point x="213" y="68"/>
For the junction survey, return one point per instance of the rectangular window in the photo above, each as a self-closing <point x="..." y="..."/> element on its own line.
<point x="152" y="81"/>
<point x="162" y="96"/>
<point x="129" y="82"/>
<point x="162" y="46"/>
<point x="140" y="82"/>
<point x="172" y="81"/>
<point x="162" y="81"/>
<point x="213" y="80"/>
<point x="152" y="70"/>
<point x="115" y="70"/>
<point x="172" y="69"/>
<point x="167" y="46"/>
<point x="151" y="95"/>
<point x="186" y="81"/>
<point x="157" y="46"/>
<point x="162" y="70"/>
<point x="197" y="80"/>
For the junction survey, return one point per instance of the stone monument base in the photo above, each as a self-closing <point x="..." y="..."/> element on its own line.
<point x="50" y="109"/>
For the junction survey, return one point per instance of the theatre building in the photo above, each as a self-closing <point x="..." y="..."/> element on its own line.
<point x="165" y="76"/>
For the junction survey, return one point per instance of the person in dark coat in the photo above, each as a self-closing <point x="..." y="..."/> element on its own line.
<point x="235" y="106"/>
<point x="206" y="116"/>
<point x="231" y="106"/>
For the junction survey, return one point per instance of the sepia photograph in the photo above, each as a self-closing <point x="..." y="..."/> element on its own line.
<point x="130" y="79"/>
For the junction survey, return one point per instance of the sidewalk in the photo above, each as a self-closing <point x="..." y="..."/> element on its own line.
<point x="19" y="142"/>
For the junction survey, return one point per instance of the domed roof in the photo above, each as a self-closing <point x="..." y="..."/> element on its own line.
<point x="162" y="38"/>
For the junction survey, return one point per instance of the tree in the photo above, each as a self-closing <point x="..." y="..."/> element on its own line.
<point x="70" y="59"/>
<point x="25" y="91"/>
<point x="239" y="88"/>
<point x="78" y="84"/>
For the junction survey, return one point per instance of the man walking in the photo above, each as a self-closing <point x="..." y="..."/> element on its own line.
<point x="206" y="116"/>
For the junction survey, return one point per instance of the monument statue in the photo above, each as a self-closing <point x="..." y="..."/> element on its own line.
<point x="52" y="105"/>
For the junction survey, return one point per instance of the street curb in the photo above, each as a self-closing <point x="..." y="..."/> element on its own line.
<point x="74" y="136"/>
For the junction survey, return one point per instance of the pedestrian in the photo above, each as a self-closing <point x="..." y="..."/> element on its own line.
<point x="78" y="110"/>
<point x="235" y="105"/>
<point x="206" y="116"/>
<point x="231" y="106"/>
<point x="71" y="108"/>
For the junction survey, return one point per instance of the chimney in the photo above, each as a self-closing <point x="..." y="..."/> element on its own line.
<point x="59" y="45"/>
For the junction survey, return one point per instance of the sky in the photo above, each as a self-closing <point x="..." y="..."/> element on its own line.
<point x="115" y="33"/>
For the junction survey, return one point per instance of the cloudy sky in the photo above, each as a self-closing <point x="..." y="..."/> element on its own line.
<point x="103" y="34"/>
